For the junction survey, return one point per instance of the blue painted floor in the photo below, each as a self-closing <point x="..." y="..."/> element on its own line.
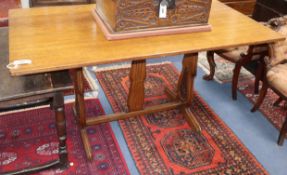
<point x="253" y="129"/>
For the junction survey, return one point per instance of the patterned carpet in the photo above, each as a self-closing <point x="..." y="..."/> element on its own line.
<point x="275" y="114"/>
<point x="223" y="73"/>
<point x="223" y="69"/>
<point x="163" y="143"/>
<point x="28" y="138"/>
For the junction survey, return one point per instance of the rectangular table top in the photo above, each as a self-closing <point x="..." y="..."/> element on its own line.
<point x="57" y="38"/>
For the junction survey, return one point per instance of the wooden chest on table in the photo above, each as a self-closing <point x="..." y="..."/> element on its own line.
<point x="121" y="19"/>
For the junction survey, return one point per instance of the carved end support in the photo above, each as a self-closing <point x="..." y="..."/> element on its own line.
<point x="136" y="91"/>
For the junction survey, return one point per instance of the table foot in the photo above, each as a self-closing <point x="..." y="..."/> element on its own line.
<point x="191" y="120"/>
<point x="185" y="88"/>
<point x="86" y="144"/>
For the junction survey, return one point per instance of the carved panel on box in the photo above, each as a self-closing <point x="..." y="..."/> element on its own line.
<point x="191" y="12"/>
<point x="132" y="15"/>
<point x="135" y="15"/>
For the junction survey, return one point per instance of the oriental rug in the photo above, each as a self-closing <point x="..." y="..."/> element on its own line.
<point x="275" y="114"/>
<point x="163" y="143"/>
<point x="223" y="69"/>
<point x="28" y="138"/>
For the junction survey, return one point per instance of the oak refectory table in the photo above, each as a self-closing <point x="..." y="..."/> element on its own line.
<point x="60" y="38"/>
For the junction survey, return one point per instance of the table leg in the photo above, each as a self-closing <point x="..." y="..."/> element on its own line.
<point x="79" y="92"/>
<point x="136" y="91"/>
<point x="182" y="99"/>
<point x="58" y="106"/>
<point x="185" y="88"/>
<point x="81" y="110"/>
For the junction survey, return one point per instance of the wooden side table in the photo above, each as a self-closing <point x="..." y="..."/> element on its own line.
<point x="32" y="90"/>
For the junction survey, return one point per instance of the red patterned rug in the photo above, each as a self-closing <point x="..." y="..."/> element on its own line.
<point x="275" y="114"/>
<point x="28" y="138"/>
<point x="163" y="143"/>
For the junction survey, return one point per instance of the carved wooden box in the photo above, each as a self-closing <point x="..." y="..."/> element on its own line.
<point x="134" y="18"/>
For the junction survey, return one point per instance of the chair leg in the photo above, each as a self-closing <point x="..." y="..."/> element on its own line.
<point x="278" y="101"/>
<point x="282" y="134"/>
<point x="261" y="97"/>
<point x="211" y="62"/>
<point x="235" y="78"/>
<point x="256" y="85"/>
<point x="58" y="106"/>
<point x="258" y="76"/>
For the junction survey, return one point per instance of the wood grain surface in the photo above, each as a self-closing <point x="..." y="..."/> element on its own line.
<point x="57" y="38"/>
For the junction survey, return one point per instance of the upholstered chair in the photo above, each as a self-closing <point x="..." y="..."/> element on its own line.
<point x="275" y="76"/>
<point x="240" y="56"/>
